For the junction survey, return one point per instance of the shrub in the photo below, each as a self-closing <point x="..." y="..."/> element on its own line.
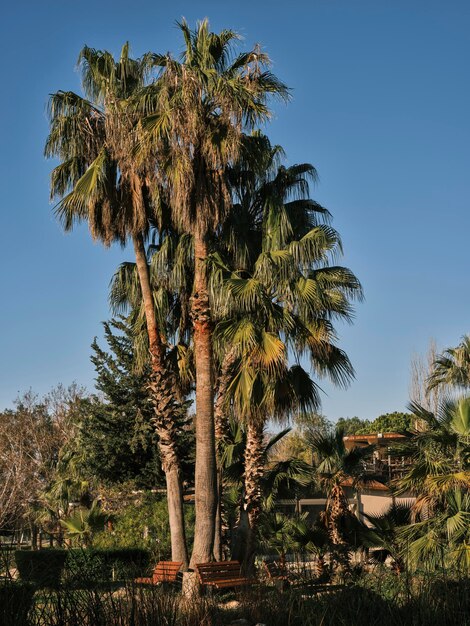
<point x="15" y="602"/>
<point x="42" y="567"/>
<point x="81" y="567"/>
<point x="85" y="567"/>
<point x="144" y="525"/>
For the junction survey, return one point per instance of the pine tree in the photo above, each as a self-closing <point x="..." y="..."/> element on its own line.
<point x="119" y="441"/>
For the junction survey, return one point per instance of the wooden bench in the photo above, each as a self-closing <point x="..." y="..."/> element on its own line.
<point x="281" y="575"/>
<point x="164" y="572"/>
<point x="222" y="575"/>
<point x="275" y="571"/>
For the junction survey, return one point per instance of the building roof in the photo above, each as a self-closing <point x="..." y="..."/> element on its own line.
<point x="374" y="438"/>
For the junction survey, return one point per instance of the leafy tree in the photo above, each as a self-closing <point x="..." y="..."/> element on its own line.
<point x="31" y="437"/>
<point x="142" y="523"/>
<point x="351" y="425"/>
<point x="387" y="423"/>
<point x="391" y="423"/>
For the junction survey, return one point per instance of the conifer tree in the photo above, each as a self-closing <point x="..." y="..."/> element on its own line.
<point x="119" y="441"/>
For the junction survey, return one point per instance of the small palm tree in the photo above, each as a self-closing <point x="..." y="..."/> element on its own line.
<point x="440" y="454"/>
<point x="84" y="523"/>
<point x="277" y="535"/>
<point x="335" y="467"/>
<point x="384" y="532"/>
<point x="311" y="539"/>
<point x="442" y="540"/>
<point x="275" y="481"/>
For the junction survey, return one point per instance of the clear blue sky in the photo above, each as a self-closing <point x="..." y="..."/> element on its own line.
<point x="381" y="102"/>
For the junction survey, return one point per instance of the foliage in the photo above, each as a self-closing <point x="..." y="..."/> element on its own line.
<point x="94" y="565"/>
<point x="387" y="423"/>
<point x="295" y="445"/>
<point x="143" y="524"/>
<point x="384" y="532"/>
<point x="452" y="367"/>
<point x="439" y="477"/>
<point x="377" y="599"/>
<point x="41" y="567"/>
<point x="16" y="600"/>
<point x="82" y="524"/>
<point x="118" y="440"/>
<point x="78" y="567"/>
<point x="31" y="437"/>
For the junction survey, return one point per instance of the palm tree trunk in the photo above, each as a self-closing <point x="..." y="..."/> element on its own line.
<point x="319" y="566"/>
<point x="254" y="466"/>
<point x="205" y="471"/>
<point x="221" y="429"/>
<point x="162" y="387"/>
<point x="337" y="509"/>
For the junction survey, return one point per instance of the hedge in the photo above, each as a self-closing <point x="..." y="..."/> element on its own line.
<point x="41" y="567"/>
<point x="15" y="601"/>
<point x="92" y="565"/>
<point x="50" y="567"/>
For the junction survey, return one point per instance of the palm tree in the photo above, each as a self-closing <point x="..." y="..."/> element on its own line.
<point x="442" y="540"/>
<point x="197" y="112"/>
<point x="83" y="523"/>
<point x="452" y="367"/>
<point x="280" y="299"/>
<point x="99" y="181"/>
<point x="335" y="466"/>
<point x="439" y="478"/>
<point x="384" y="532"/>
<point x="277" y="479"/>
<point x="440" y="455"/>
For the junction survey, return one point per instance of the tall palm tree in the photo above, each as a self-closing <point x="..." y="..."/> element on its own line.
<point x="99" y="181"/>
<point x="197" y="112"/>
<point x="280" y="299"/>
<point x="452" y="367"/>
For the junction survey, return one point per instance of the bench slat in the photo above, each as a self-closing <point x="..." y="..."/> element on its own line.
<point x="222" y="574"/>
<point x="163" y="572"/>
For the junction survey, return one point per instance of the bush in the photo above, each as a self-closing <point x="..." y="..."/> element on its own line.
<point x="15" y="602"/>
<point x="144" y="524"/>
<point x="80" y="567"/>
<point x="88" y="566"/>
<point x="42" y="567"/>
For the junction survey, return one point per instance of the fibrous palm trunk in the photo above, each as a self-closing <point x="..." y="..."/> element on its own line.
<point x="254" y="467"/>
<point x="337" y="509"/>
<point x="205" y="471"/>
<point x="319" y="566"/>
<point x="162" y="388"/>
<point x="221" y="431"/>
